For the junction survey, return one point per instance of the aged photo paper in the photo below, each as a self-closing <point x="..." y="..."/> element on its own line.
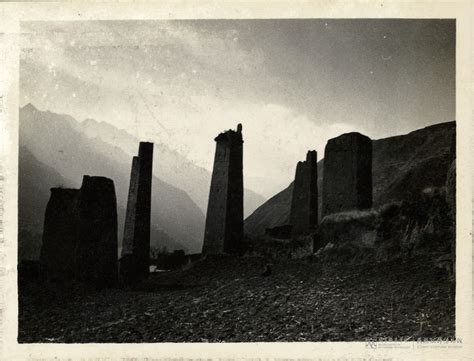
<point x="228" y="180"/>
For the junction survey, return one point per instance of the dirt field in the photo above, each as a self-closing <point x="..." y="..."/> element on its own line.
<point x="228" y="300"/>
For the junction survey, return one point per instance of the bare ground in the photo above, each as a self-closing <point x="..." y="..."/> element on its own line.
<point x="228" y="300"/>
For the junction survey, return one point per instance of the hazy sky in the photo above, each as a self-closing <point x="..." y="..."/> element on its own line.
<point x="293" y="84"/>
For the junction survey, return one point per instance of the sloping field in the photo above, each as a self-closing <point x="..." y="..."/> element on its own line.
<point x="229" y="300"/>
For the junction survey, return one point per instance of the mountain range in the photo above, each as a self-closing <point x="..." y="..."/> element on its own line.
<point x="401" y="166"/>
<point x="56" y="151"/>
<point x="172" y="167"/>
<point x="35" y="180"/>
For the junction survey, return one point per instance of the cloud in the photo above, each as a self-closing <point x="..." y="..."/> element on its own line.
<point x="218" y="50"/>
<point x="290" y="83"/>
<point x="164" y="60"/>
<point x="164" y="91"/>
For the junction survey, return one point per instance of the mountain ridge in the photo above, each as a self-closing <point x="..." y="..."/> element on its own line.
<point x="56" y="141"/>
<point x="402" y="164"/>
<point x="34" y="182"/>
<point x="173" y="167"/>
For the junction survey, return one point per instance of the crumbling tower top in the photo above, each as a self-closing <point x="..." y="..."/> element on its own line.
<point x="224" y="220"/>
<point x="231" y="136"/>
<point x="311" y="156"/>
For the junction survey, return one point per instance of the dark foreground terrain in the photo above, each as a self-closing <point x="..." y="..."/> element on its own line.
<point x="228" y="300"/>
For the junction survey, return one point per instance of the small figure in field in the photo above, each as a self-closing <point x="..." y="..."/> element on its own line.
<point x="268" y="270"/>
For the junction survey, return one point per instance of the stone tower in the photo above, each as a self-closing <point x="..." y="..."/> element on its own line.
<point x="347" y="175"/>
<point x="60" y="234"/>
<point x="136" y="239"/>
<point x="80" y="233"/>
<point x="129" y="228"/>
<point x="304" y="203"/>
<point x="96" y="251"/>
<point x="224" y="229"/>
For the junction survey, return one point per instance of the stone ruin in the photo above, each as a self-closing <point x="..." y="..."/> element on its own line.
<point x="303" y="216"/>
<point x="80" y="229"/>
<point x="295" y="239"/>
<point x="60" y="236"/>
<point x="134" y="264"/>
<point x="304" y="203"/>
<point x="97" y="249"/>
<point x="224" y="229"/>
<point x="347" y="175"/>
<point x="81" y="225"/>
<point x="129" y="229"/>
<point x="80" y="233"/>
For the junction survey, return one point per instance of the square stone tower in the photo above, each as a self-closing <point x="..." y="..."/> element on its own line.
<point x="347" y="175"/>
<point x="304" y="203"/>
<point x="129" y="227"/>
<point x="96" y="251"/>
<point x="224" y="229"/>
<point x="60" y="235"/>
<point x="80" y="233"/>
<point x="141" y="245"/>
<point x="136" y="239"/>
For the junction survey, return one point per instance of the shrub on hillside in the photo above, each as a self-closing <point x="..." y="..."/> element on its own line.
<point x="421" y="225"/>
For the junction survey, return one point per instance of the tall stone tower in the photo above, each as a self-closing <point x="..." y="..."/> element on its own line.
<point x="141" y="245"/>
<point x="129" y="227"/>
<point x="60" y="235"/>
<point x="136" y="239"/>
<point x="96" y="251"/>
<point x="80" y="233"/>
<point x="304" y="203"/>
<point x="224" y="229"/>
<point x="347" y="176"/>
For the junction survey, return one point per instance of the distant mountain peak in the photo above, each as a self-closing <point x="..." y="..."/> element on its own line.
<point x="30" y="107"/>
<point x="90" y="121"/>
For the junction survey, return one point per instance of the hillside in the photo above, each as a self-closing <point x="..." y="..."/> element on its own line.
<point x="401" y="165"/>
<point x="56" y="141"/>
<point x="228" y="300"/>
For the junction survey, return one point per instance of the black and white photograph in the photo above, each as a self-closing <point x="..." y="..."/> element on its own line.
<point x="236" y="181"/>
<point x="252" y="180"/>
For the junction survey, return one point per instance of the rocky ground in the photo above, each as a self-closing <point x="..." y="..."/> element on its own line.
<point x="228" y="300"/>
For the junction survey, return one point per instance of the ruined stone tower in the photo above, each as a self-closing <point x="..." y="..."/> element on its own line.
<point x="304" y="203"/>
<point x="347" y="175"/>
<point x="80" y="233"/>
<point x="60" y="234"/>
<point x="96" y="251"/>
<point x="129" y="228"/>
<point x="136" y="240"/>
<point x="224" y="229"/>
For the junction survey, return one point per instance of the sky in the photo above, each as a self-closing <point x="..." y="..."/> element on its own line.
<point x="293" y="84"/>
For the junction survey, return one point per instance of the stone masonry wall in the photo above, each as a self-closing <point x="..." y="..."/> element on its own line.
<point x="224" y="219"/>
<point x="347" y="181"/>
<point x="141" y="244"/>
<point x="96" y="254"/>
<point x="234" y="232"/>
<point x="60" y="234"/>
<point x="129" y="228"/>
<point x="304" y="204"/>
